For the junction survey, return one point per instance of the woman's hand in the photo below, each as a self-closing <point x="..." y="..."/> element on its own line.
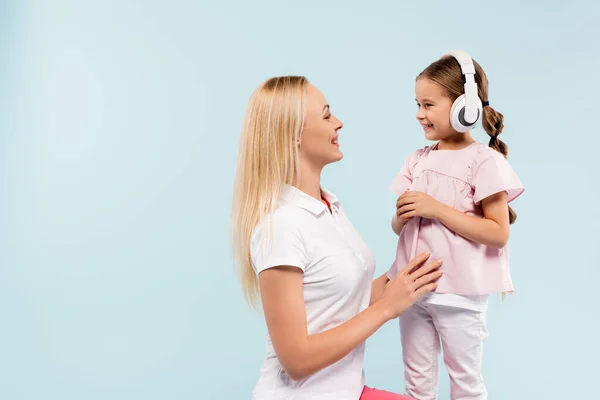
<point x="409" y="284"/>
<point x="416" y="204"/>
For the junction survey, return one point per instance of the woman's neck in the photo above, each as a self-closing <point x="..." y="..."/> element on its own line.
<point x="310" y="182"/>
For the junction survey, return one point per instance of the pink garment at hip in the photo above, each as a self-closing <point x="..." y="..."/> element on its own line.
<point x="375" y="394"/>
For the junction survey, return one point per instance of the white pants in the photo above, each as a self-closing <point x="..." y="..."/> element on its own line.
<point x="461" y="333"/>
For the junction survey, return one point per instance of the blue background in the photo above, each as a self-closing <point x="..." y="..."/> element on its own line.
<point x="119" y="124"/>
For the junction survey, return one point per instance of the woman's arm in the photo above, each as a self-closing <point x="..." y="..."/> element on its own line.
<point x="378" y="287"/>
<point x="492" y="230"/>
<point x="302" y="355"/>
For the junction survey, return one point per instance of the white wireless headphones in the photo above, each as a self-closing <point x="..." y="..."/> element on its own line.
<point x="467" y="108"/>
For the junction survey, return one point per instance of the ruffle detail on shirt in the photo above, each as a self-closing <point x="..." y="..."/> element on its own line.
<point x="471" y="167"/>
<point x="444" y="188"/>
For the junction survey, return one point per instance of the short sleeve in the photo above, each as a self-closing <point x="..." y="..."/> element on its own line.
<point x="493" y="174"/>
<point x="403" y="178"/>
<point x="277" y="242"/>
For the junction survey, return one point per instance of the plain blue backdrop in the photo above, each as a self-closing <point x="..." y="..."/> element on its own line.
<point x="119" y="124"/>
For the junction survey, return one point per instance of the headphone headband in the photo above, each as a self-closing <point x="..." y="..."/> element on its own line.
<point x="471" y="96"/>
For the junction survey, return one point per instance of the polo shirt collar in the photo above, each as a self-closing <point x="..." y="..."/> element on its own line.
<point x="295" y="196"/>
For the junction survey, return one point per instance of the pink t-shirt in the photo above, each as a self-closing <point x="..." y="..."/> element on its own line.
<point x="460" y="179"/>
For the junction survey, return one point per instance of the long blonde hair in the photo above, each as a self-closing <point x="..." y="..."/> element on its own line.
<point x="267" y="160"/>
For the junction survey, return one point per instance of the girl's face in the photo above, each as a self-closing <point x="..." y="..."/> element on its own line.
<point x="433" y="110"/>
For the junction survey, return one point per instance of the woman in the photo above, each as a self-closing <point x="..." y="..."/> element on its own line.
<point x="297" y="248"/>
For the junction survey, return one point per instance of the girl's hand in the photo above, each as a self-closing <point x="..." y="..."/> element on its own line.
<point x="401" y="218"/>
<point x="416" y="204"/>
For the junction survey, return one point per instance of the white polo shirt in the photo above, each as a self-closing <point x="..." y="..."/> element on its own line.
<point x="338" y="270"/>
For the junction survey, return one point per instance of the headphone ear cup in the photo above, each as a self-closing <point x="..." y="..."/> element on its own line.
<point x="458" y="108"/>
<point x="457" y="115"/>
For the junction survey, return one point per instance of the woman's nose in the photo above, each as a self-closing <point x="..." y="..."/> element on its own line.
<point x="339" y="124"/>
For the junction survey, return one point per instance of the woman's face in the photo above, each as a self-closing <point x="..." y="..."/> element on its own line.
<point x="319" y="143"/>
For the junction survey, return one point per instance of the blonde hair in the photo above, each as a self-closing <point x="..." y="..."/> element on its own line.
<point x="267" y="160"/>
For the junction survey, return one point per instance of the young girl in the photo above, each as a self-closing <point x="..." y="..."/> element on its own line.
<point x="453" y="201"/>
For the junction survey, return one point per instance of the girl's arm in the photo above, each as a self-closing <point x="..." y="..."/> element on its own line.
<point x="398" y="223"/>
<point x="399" y="220"/>
<point x="491" y="230"/>
<point x="302" y="355"/>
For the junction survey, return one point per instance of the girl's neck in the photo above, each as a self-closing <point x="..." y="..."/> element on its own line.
<point x="457" y="141"/>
